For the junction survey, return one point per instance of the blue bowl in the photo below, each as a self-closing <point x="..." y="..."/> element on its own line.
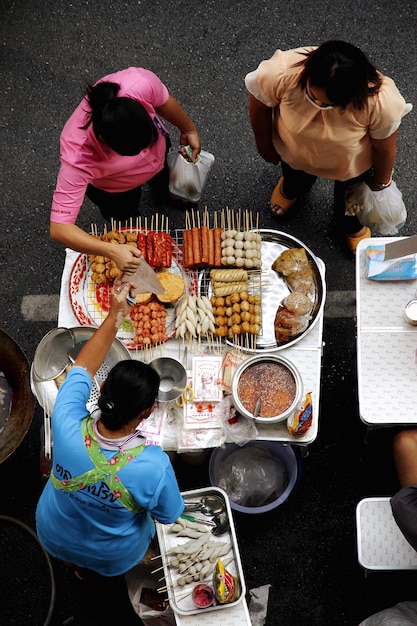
<point x="282" y="451"/>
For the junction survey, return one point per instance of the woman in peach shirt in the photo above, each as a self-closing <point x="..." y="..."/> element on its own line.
<point x="325" y="112"/>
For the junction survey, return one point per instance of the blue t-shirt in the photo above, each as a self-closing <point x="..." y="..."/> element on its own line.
<point x="90" y="527"/>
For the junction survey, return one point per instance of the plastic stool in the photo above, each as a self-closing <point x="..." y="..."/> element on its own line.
<point x="381" y="544"/>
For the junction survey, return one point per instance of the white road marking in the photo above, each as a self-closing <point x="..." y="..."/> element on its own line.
<point x="44" y="308"/>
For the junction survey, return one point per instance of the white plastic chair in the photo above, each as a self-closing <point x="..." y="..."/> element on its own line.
<point x="380" y="543"/>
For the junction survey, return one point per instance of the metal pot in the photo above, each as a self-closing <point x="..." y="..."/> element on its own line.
<point x="260" y="389"/>
<point x="15" y="367"/>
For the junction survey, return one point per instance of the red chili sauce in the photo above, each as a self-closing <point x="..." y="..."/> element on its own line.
<point x="273" y="381"/>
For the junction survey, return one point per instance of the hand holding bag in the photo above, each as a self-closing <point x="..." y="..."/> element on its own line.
<point x="384" y="211"/>
<point x="187" y="178"/>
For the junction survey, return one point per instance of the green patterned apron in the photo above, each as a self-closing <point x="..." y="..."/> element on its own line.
<point x="104" y="469"/>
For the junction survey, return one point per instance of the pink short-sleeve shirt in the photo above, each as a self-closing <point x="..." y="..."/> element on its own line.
<point x="86" y="160"/>
<point x="330" y="143"/>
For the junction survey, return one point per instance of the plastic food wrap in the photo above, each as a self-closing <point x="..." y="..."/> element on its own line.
<point x="300" y="422"/>
<point x="226" y="586"/>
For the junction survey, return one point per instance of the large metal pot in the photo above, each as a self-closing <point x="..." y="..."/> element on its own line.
<point x="261" y="389"/>
<point x="15" y="367"/>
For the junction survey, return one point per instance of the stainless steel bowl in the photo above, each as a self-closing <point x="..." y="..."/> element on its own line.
<point x="262" y="390"/>
<point x="173" y="378"/>
<point x="51" y="355"/>
<point x="58" y="350"/>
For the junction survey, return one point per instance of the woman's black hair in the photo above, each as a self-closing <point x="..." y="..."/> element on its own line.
<point x="343" y="71"/>
<point x="122" y="123"/>
<point x="130" y="389"/>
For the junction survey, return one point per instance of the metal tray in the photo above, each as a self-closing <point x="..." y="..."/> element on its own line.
<point x="89" y="302"/>
<point x="180" y="596"/>
<point x="274" y="289"/>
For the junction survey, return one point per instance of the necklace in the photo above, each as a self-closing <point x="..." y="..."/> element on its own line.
<point x="119" y="443"/>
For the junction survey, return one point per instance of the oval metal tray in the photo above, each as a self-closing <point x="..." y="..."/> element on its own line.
<point x="274" y="289"/>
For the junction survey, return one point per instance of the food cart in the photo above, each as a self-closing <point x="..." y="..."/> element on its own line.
<point x="187" y="424"/>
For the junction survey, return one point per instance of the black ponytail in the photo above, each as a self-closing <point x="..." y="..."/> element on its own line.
<point x="122" y="123"/>
<point x="130" y="389"/>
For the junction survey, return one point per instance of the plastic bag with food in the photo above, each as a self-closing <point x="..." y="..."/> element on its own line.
<point x="145" y="280"/>
<point x="187" y="179"/>
<point x="384" y="211"/>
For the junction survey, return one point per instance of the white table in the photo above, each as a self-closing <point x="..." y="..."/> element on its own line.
<point x="237" y="615"/>
<point x="387" y="366"/>
<point x="306" y="354"/>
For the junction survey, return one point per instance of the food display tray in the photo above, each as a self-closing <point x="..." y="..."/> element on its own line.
<point x="90" y="301"/>
<point x="180" y="596"/>
<point x="274" y="289"/>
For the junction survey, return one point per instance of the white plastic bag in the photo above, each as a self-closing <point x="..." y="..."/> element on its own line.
<point x="187" y="179"/>
<point x="383" y="211"/>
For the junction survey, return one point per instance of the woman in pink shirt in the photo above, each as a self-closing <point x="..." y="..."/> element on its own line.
<point x="112" y="144"/>
<point x="325" y="112"/>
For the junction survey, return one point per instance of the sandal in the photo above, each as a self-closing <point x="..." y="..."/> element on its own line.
<point x="279" y="203"/>
<point x="353" y="242"/>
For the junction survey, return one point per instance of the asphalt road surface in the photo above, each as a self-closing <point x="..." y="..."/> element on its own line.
<point x="305" y="549"/>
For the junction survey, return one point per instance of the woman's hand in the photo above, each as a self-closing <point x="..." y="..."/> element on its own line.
<point x="191" y="138"/>
<point x="127" y="258"/>
<point x="119" y="306"/>
<point x="94" y="351"/>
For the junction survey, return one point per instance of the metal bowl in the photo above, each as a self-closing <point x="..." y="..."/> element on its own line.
<point x="51" y="355"/>
<point x="60" y="349"/>
<point x="15" y="367"/>
<point x="262" y="389"/>
<point x="173" y="378"/>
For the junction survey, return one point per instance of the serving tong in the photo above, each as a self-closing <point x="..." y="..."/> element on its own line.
<point x="213" y="506"/>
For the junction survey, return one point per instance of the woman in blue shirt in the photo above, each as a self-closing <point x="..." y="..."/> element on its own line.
<point x="106" y="486"/>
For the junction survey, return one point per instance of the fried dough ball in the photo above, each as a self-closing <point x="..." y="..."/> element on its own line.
<point x="114" y="272"/>
<point x="98" y="278"/>
<point x="221" y="331"/>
